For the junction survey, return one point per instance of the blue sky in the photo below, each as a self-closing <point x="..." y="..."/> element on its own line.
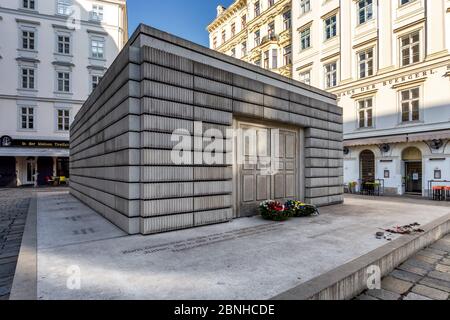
<point x="185" y="18"/>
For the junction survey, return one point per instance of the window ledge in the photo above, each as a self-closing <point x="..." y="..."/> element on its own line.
<point x="410" y="123"/>
<point x="26" y="130"/>
<point x="59" y="93"/>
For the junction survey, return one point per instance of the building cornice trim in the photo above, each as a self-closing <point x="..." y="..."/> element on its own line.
<point x="364" y="43"/>
<point x="37" y="23"/>
<point x="409" y="83"/>
<point x="305" y="66"/>
<point x="40" y="99"/>
<point x="330" y="57"/>
<point x="102" y="33"/>
<point x="24" y="59"/>
<point x="409" y="25"/>
<point x="364" y="94"/>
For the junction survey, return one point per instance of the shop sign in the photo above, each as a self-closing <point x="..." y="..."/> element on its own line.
<point x="6" y="141"/>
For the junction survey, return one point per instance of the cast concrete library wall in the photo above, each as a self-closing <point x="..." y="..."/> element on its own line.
<point x="121" y="139"/>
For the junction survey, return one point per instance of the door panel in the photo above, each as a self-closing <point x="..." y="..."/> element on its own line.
<point x="413" y="177"/>
<point x="263" y="188"/>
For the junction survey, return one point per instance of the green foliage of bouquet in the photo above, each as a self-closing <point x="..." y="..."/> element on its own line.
<point x="274" y="210"/>
<point x="299" y="209"/>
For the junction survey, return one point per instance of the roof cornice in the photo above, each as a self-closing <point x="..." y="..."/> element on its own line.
<point x="230" y="11"/>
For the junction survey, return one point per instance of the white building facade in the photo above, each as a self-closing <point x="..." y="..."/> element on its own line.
<point x="52" y="55"/>
<point x="389" y="64"/>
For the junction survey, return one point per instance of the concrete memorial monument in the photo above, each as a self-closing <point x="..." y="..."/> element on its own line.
<point x="178" y="136"/>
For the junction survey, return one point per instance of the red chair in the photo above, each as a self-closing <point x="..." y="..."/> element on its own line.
<point x="447" y="193"/>
<point x="439" y="193"/>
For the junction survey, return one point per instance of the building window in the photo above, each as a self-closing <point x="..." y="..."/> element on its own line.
<point x="28" y="77"/>
<point x="270" y="3"/>
<point x="257" y="9"/>
<point x="29" y="4"/>
<point x="63" y="44"/>
<point x="97" y="49"/>
<point x="257" y="38"/>
<point x="365" y="63"/>
<point x="365" y="113"/>
<point x="287" y="55"/>
<point x="233" y="52"/>
<point x="27" y="118"/>
<point x="305" y="6"/>
<point x="63" y="7"/>
<point x="28" y="40"/>
<point x="331" y="75"/>
<point x="410" y="48"/>
<point x="410" y="100"/>
<point x="287" y="20"/>
<point x="224" y="36"/>
<point x="330" y="27"/>
<point x="95" y="80"/>
<point x="63" y="119"/>
<point x="305" y="39"/>
<point x="266" y="59"/>
<point x="274" y="58"/>
<point x="365" y="11"/>
<point x="97" y="12"/>
<point x="403" y="2"/>
<point x="244" y="48"/>
<point x="305" y="77"/>
<point x="243" y="21"/>
<point x="63" y="81"/>
<point x="215" y="42"/>
<point x="258" y="62"/>
<point x="271" y="30"/>
<point x="233" y="29"/>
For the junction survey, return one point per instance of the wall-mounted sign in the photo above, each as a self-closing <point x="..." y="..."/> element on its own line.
<point x="437" y="174"/>
<point x="387" y="174"/>
<point x="8" y="142"/>
<point x="5" y="141"/>
<point x="415" y="177"/>
<point x="394" y="81"/>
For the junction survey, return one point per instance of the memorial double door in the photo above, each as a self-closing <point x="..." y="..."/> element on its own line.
<point x="267" y="166"/>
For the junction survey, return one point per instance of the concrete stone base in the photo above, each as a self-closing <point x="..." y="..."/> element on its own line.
<point x="347" y="281"/>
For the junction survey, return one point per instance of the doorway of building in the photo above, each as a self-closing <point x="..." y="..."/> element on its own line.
<point x="258" y="178"/>
<point x="367" y="166"/>
<point x="7" y="172"/>
<point x="45" y="169"/>
<point x="31" y="171"/>
<point x="412" y="158"/>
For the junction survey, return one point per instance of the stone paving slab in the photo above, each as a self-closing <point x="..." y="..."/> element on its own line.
<point x="422" y="277"/>
<point x="237" y="260"/>
<point x="14" y="205"/>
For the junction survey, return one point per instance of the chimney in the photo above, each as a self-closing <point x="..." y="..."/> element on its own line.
<point x="220" y="10"/>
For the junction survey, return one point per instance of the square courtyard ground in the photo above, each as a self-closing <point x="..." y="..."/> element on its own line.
<point x="248" y="258"/>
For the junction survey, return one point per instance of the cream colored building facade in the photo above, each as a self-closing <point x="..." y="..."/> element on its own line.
<point x="389" y="64"/>
<point x="258" y="32"/>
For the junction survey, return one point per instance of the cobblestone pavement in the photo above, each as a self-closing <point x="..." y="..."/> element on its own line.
<point x="426" y="276"/>
<point x="14" y="205"/>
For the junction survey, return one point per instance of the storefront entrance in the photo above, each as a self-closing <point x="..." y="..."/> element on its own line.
<point x="7" y="172"/>
<point x="367" y="166"/>
<point x="259" y="176"/>
<point x="412" y="158"/>
<point x="45" y="169"/>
